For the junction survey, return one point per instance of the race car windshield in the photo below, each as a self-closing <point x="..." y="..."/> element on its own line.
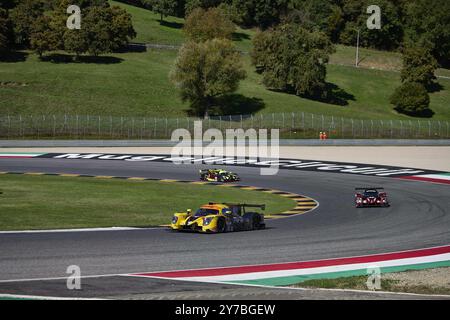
<point x="371" y="193"/>
<point x="205" y="212"/>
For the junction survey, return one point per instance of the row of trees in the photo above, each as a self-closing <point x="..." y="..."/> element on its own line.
<point x="421" y="21"/>
<point x="40" y="25"/>
<point x="289" y="57"/>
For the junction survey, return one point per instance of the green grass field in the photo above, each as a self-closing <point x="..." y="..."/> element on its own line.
<point x="150" y="30"/>
<point x="137" y="83"/>
<point x="51" y="202"/>
<point x="359" y="283"/>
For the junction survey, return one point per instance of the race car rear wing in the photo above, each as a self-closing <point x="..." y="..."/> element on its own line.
<point x="244" y="205"/>
<point x="370" y="188"/>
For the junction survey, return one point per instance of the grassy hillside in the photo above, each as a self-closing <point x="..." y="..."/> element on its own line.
<point x="150" y="30"/>
<point x="137" y="84"/>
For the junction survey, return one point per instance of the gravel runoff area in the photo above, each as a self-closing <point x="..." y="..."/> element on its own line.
<point x="432" y="158"/>
<point x="431" y="278"/>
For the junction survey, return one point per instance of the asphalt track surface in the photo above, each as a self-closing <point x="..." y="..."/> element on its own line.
<point x="419" y="217"/>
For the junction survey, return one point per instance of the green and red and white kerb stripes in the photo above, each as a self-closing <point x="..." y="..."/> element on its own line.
<point x="282" y="274"/>
<point x="443" y="178"/>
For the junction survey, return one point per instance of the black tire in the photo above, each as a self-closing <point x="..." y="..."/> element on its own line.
<point x="221" y="225"/>
<point x="256" y="222"/>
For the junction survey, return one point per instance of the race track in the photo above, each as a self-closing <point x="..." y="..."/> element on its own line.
<point x="419" y="217"/>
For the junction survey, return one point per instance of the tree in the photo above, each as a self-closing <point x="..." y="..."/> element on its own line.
<point x="411" y="98"/>
<point x="203" y="4"/>
<point x="206" y="70"/>
<point x="98" y="28"/>
<point x="163" y="7"/>
<point x="293" y="59"/>
<point x="7" y="4"/>
<point x="122" y="27"/>
<point x="42" y="37"/>
<point x="75" y="41"/>
<point x="428" y="23"/>
<point x="261" y="13"/>
<point x="204" y="25"/>
<point x="4" y="31"/>
<point x="23" y="17"/>
<point x="390" y="35"/>
<point x="418" y="66"/>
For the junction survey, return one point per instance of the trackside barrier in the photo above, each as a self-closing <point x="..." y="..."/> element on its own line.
<point x="300" y="125"/>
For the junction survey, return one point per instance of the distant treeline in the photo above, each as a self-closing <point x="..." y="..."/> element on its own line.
<point x="422" y="22"/>
<point x="40" y="25"/>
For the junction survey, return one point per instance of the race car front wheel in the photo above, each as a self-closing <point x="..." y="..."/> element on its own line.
<point x="221" y="225"/>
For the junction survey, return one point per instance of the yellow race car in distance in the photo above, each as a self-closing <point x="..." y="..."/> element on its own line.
<point x="219" y="217"/>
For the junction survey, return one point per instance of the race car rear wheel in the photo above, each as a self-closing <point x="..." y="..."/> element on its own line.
<point x="256" y="222"/>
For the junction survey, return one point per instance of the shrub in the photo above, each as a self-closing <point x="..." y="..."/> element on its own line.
<point x="411" y="98"/>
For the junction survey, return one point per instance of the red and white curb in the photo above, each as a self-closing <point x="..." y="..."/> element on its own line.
<point x="443" y="178"/>
<point x="295" y="272"/>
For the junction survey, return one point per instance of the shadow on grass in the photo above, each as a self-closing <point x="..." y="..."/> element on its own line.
<point x="332" y="94"/>
<point x="435" y="87"/>
<point x="132" y="48"/>
<point x="427" y="113"/>
<point x="231" y="104"/>
<point x="66" y="58"/>
<point x="13" y="57"/>
<point x="173" y="25"/>
<point x="336" y="95"/>
<point x="239" y="36"/>
<point x="237" y="104"/>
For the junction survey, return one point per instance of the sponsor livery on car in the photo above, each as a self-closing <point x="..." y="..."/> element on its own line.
<point x="219" y="217"/>
<point x="218" y="175"/>
<point x="371" y="197"/>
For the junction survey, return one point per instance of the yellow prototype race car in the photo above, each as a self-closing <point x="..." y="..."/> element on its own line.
<point x="220" y="217"/>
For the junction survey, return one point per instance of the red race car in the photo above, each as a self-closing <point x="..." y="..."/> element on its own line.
<point x="371" y="197"/>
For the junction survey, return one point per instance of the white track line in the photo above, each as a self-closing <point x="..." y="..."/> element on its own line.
<point x="19" y="296"/>
<point x="80" y="230"/>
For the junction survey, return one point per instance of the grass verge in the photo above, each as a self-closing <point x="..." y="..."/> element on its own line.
<point x="428" y="281"/>
<point x="52" y="202"/>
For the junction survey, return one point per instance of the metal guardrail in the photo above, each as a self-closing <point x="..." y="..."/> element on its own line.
<point x="168" y="143"/>
<point x="300" y="125"/>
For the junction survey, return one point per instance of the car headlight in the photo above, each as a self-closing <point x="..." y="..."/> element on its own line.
<point x="174" y="219"/>
<point x="207" y="221"/>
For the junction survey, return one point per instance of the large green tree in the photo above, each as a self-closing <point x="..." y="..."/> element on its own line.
<point x="191" y="5"/>
<point x="202" y="25"/>
<point x="4" y="31"/>
<point x="428" y="24"/>
<point x="261" y="13"/>
<point x="389" y="37"/>
<point x="163" y="7"/>
<point x="23" y="17"/>
<point x="122" y="27"/>
<point x="7" y="4"/>
<point x="411" y="98"/>
<point x="293" y="59"/>
<point x="103" y="30"/>
<point x="419" y="66"/>
<point x="43" y="37"/>
<point x="206" y="70"/>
